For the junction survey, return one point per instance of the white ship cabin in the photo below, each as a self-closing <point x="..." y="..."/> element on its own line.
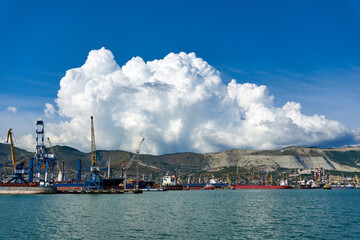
<point x="169" y="180"/>
<point x="213" y="181"/>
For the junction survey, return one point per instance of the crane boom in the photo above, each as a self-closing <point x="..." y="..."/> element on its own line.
<point x="93" y="148"/>
<point x="9" y="135"/>
<point x="133" y="156"/>
<point x="53" y="152"/>
<point x="50" y="145"/>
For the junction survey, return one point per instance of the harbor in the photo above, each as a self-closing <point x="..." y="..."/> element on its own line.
<point x="39" y="178"/>
<point x="46" y="174"/>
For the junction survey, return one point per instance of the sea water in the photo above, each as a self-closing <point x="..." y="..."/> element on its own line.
<point x="204" y="214"/>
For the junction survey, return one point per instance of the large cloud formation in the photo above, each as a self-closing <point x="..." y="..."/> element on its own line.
<point x="178" y="104"/>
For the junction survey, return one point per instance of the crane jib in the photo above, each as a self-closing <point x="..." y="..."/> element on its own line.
<point x="9" y="136"/>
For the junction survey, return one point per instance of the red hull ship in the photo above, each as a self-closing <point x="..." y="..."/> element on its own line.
<point x="261" y="187"/>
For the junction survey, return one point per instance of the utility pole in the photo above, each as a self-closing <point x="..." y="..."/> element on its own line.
<point x="237" y="173"/>
<point x="108" y="173"/>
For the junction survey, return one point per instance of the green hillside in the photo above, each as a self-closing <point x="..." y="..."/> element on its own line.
<point x="184" y="163"/>
<point x="350" y="158"/>
<point x="20" y="154"/>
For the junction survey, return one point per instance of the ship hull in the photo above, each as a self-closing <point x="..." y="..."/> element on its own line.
<point x="341" y="187"/>
<point x="76" y="186"/>
<point x="261" y="187"/>
<point x="69" y="186"/>
<point x="142" y="184"/>
<point x="22" y="189"/>
<point x="199" y="186"/>
<point x="174" y="187"/>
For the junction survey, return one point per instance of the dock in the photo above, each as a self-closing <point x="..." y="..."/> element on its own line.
<point x="99" y="191"/>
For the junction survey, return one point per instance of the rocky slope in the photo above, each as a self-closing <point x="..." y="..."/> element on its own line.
<point x="340" y="159"/>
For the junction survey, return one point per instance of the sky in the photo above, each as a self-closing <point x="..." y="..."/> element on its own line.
<point x="199" y="76"/>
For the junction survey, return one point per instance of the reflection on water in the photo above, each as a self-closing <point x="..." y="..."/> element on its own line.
<point x="227" y="214"/>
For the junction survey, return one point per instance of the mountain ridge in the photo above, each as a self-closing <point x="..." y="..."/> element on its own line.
<point x="339" y="159"/>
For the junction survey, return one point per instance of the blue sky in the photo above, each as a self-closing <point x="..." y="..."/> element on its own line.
<point x="303" y="51"/>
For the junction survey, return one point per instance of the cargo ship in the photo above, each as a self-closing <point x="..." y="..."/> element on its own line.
<point x="23" y="188"/>
<point x="170" y="182"/>
<point x="107" y="184"/>
<point x="142" y="184"/>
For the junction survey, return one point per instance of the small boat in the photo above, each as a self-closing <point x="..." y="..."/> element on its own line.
<point x="209" y="187"/>
<point x="315" y="185"/>
<point x="136" y="191"/>
<point x="340" y="186"/>
<point x="149" y="189"/>
<point x="327" y="187"/>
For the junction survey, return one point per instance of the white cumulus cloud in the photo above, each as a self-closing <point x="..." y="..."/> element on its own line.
<point x="49" y="110"/>
<point x="178" y="104"/>
<point x="11" y="109"/>
<point x="27" y="142"/>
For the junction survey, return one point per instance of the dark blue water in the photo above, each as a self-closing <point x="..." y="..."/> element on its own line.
<point x="219" y="214"/>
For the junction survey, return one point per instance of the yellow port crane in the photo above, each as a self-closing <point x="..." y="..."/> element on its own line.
<point x="93" y="148"/>
<point x="19" y="169"/>
<point x="93" y="180"/>
<point x="228" y="179"/>
<point x="9" y="136"/>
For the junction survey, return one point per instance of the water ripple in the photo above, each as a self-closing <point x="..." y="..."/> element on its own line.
<point x="242" y="214"/>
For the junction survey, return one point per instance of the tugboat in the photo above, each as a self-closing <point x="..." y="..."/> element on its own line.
<point x="315" y="185"/>
<point x="327" y="187"/>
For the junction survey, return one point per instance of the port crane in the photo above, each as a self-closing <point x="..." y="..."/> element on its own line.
<point x="93" y="180"/>
<point x="19" y="169"/>
<point x="131" y="162"/>
<point x="43" y="159"/>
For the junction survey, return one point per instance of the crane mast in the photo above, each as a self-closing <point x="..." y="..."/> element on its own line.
<point x="93" y="148"/>
<point x="93" y="180"/>
<point x="9" y="135"/>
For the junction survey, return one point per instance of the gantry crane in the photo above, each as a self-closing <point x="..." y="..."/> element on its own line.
<point x="42" y="157"/>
